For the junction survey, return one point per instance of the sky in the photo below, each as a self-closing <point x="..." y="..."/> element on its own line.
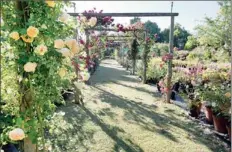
<point x="190" y="12"/>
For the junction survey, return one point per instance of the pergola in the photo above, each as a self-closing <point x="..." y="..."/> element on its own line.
<point x="171" y="15"/>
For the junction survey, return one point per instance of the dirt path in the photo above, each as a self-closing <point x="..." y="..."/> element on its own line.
<point x="122" y="115"/>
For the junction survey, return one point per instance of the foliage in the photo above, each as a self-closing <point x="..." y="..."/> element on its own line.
<point x="156" y="69"/>
<point x="134" y="20"/>
<point x="180" y="36"/>
<point x="191" y="43"/>
<point x="159" y="49"/>
<point x="152" y="28"/>
<point x="41" y="71"/>
<point x="217" y="32"/>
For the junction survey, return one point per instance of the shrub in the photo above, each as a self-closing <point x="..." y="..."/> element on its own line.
<point x="156" y="69"/>
<point x="191" y="43"/>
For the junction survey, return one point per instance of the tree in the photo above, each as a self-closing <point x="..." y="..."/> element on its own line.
<point x="217" y="32"/>
<point x="134" y="20"/>
<point x="180" y="35"/>
<point x="164" y="35"/>
<point x="152" y="28"/>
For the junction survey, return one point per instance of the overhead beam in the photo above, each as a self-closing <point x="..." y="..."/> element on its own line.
<point x="125" y="14"/>
<point x="104" y="29"/>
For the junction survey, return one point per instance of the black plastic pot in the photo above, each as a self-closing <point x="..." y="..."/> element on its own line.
<point x="9" y="148"/>
<point x="69" y="95"/>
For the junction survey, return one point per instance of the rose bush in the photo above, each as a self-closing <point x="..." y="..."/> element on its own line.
<point x="40" y="66"/>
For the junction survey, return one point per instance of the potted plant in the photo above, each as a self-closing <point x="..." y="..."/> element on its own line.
<point x="208" y="112"/>
<point x="194" y="105"/>
<point x="219" y="101"/>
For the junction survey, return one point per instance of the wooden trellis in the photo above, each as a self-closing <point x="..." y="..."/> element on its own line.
<point x="172" y="15"/>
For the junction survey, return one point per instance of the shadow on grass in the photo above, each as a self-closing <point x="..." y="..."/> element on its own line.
<point x="112" y="132"/>
<point x="154" y="94"/>
<point x="137" y="113"/>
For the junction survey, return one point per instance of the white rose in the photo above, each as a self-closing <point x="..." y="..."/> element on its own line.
<point x="213" y="104"/>
<point x="92" y="21"/>
<point x="44" y="26"/>
<point x="65" y="52"/>
<point x="85" y="76"/>
<point x="64" y="17"/>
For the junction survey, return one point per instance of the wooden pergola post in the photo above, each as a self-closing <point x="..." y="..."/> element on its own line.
<point x="87" y="42"/>
<point x="169" y="74"/>
<point x="145" y="61"/>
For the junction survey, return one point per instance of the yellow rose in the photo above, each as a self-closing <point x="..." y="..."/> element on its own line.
<point x="62" y="72"/>
<point x="16" y="134"/>
<point x="76" y="49"/>
<point x="41" y="49"/>
<point x="14" y="35"/>
<point x="50" y="3"/>
<point x="58" y="44"/>
<point x="30" y="67"/>
<point x="70" y="43"/>
<point x="27" y="39"/>
<point x="228" y="95"/>
<point x="32" y="32"/>
<point x="92" y="21"/>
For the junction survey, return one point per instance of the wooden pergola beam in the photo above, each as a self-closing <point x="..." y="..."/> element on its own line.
<point x="125" y="14"/>
<point x="118" y="39"/>
<point x="114" y="30"/>
<point x="113" y="36"/>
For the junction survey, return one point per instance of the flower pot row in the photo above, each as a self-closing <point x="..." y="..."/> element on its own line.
<point x="221" y="124"/>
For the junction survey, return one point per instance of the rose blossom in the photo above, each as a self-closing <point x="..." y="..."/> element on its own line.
<point x="58" y="44"/>
<point x="70" y="43"/>
<point x="65" y="52"/>
<point x="30" y="67"/>
<point x="14" y="35"/>
<point x="92" y="21"/>
<point x="27" y="39"/>
<point x="64" y="17"/>
<point x="16" y="134"/>
<point x="62" y="72"/>
<point x="50" y="3"/>
<point x="41" y="49"/>
<point x="32" y="32"/>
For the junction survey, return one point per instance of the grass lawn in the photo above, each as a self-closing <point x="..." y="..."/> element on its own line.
<point x="125" y="116"/>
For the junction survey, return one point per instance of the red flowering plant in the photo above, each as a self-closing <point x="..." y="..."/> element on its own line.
<point x="163" y="85"/>
<point x="81" y="63"/>
<point x="85" y="19"/>
<point x="167" y="57"/>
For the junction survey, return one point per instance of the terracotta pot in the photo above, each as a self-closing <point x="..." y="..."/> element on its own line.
<point x="228" y="127"/>
<point x="219" y="124"/>
<point x="208" y="114"/>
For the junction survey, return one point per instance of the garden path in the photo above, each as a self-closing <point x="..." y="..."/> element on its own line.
<point x="120" y="114"/>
